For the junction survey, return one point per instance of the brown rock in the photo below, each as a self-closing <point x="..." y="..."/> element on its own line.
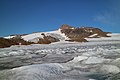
<point x="47" y="39"/>
<point x="65" y="26"/>
<point x="5" y="43"/>
<point x="13" y="41"/>
<point x="78" y="34"/>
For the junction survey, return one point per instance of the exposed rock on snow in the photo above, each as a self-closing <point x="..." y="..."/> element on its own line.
<point x="47" y="40"/>
<point x="78" y="34"/>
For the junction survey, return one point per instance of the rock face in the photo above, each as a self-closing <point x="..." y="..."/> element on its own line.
<point x="47" y="39"/>
<point x="65" y="26"/>
<point x="78" y="34"/>
<point x="13" y="41"/>
<point x="5" y="43"/>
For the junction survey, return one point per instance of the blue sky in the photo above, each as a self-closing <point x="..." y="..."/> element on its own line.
<point x="27" y="16"/>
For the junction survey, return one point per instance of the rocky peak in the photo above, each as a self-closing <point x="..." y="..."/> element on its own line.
<point x="83" y="32"/>
<point x="65" y="26"/>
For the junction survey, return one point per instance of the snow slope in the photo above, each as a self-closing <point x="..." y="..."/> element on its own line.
<point x="34" y="37"/>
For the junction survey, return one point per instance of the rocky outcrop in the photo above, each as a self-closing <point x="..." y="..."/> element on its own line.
<point x="47" y="39"/>
<point x="65" y="26"/>
<point x="91" y="31"/>
<point x="79" y="34"/>
<point x="13" y="41"/>
<point x="5" y="43"/>
<point x="18" y="40"/>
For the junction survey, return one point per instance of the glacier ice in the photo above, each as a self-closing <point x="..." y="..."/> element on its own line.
<point x="66" y="61"/>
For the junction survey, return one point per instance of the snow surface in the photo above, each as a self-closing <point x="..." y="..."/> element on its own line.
<point x="110" y="69"/>
<point x="34" y="72"/>
<point x="34" y="37"/>
<point x="79" y="58"/>
<point x="8" y="37"/>
<point x="94" y="60"/>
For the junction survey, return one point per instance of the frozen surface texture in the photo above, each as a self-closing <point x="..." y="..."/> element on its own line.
<point x="94" y="60"/>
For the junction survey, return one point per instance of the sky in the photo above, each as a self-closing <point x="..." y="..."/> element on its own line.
<point x="27" y="16"/>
